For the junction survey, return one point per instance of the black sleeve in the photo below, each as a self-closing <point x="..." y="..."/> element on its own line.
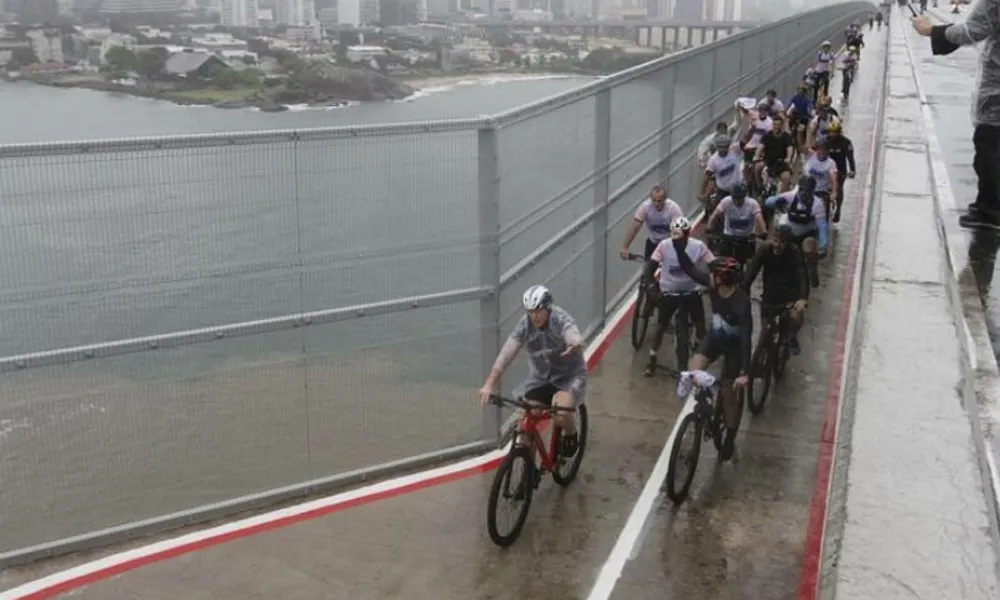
<point x="939" y="43"/>
<point x="689" y="267"/>
<point x="746" y="332"/>
<point x="850" y="155"/>
<point x="754" y="267"/>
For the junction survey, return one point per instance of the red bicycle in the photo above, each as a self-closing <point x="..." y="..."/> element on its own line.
<point x="521" y="461"/>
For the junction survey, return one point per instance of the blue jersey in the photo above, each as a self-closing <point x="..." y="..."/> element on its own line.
<point x="802" y="106"/>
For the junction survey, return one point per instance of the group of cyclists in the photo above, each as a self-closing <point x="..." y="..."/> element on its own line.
<point x="758" y="223"/>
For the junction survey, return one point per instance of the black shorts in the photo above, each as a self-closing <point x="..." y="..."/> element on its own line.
<point x="650" y="246"/>
<point x="748" y="154"/>
<point x="777" y="167"/>
<point x="730" y="349"/>
<point x="670" y="303"/>
<point x="742" y="249"/>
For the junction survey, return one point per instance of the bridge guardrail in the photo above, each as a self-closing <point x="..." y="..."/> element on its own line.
<point x="198" y="325"/>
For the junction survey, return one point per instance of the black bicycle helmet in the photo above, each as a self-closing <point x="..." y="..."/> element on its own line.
<point x="725" y="269"/>
<point x="738" y="191"/>
<point x="807" y="183"/>
<point x="784" y="233"/>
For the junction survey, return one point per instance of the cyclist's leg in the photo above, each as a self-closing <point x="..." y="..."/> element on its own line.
<point x="732" y="407"/>
<point x="758" y="173"/>
<point x="667" y="307"/>
<point x="572" y="397"/>
<point x="841" y="180"/>
<point x="785" y="177"/>
<point x="810" y="248"/>
<point x="697" y="311"/>
<point x="796" y="318"/>
<point x="540" y="394"/>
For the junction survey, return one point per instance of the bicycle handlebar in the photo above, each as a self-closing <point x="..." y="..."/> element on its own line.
<point x="498" y="400"/>
<point x="637" y="257"/>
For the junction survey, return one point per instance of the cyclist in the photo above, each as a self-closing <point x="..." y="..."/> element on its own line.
<point x="729" y="336"/>
<point x="656" y="212"/>
<point x="820" y="124"/>
<point x="557" y="370"/>
<point x="758" y="129"/>
<point x="805" y="214"/>
<point x="775" y="154"/>
<point x="707" y="146"/>
<point x="786" y="281"/>
<point x="842" y="152"/>
<point x="774" y="106"/>
<point x="722" y="170"/>
<point x="850" y="68"/>
<point x="878" y="20"/>
<point x="823" y="171"/>
<point x="824" y="63"/>
<point x="742" y="218"/>
<point x="676" y="287"/>
<point x="800" y="112"/>
<point x="811" y="81"/>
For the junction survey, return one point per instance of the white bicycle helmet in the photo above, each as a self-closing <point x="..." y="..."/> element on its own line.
<point x="535" y="297"/>
<point x="681" y="224"/>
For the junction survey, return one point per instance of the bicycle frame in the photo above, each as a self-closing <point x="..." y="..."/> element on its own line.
<point x="533" y="424"/>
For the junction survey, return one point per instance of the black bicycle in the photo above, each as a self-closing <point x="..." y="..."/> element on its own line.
<point x="530" y="458"/>
<point x="770" y="357"/>
<point x="645" y="304"/>
<point x="707" y="420"/>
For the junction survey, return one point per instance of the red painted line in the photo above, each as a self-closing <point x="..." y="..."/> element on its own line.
<point x="96" y="575"/>
<point x="816" y="528"/>
<point x="120" y="568"/>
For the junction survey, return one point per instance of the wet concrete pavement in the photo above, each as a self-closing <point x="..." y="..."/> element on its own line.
<point x="916" y="519"/>
<point x="740" y="535"/>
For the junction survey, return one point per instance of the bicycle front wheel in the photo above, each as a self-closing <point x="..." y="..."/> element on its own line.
<point x="513" y="483"/>
<point x="640" y="316"/>
<point x="566" y="469"/>
<point x="683" y="461"/>
<point x="760" y="375"/>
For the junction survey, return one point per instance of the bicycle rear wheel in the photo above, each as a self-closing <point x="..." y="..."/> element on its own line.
<point x="521" y="461"/>
<point x="640" y="316"/>
<point x="679" y="481"/>
<point x="566" y="477"/>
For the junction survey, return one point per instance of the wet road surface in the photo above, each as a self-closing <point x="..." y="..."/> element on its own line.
<point x="740" y="535"/>
<point x="915" y="522"/>
<point x="948" y="85"/>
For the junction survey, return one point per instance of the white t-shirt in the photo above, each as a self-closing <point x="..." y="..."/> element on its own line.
<point x="726" y="169"/>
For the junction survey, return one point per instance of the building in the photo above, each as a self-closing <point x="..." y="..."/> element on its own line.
<point x="47" y="44"/>
<point x="365" y="53"/>
<point x="194" y="64"/>
<point x="34" y="12"/>
<point x="117" y="7"/>
<point x="349" y="13"/>
<point x="113" y="40"/>
<point x="398" y="12"/>
<point x="239" y="13"/>
<point x="8" y="45"/>
<point x="295" y="12"/>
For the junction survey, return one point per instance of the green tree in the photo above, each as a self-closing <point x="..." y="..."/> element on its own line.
<point x="121" y="61"/>
<point x="249" y="60"/>
<point x="258" y="47"/>
<point x="247" y="77"/>
<point x="341" y="55"/>
<point x="223" y="77"/>
<point x="21" y="57"/>
<point x="151" y="64"/>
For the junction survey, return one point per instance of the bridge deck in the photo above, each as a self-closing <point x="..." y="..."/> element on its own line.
<point x="741" y="535"/>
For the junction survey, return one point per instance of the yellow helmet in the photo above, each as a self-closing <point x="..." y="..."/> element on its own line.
<point x="834" y="127"/>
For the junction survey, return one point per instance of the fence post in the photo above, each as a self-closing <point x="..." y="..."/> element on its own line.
<point x="602" y="156"/>
<point x="488" y="177"/>
<point x="666" y="120"/>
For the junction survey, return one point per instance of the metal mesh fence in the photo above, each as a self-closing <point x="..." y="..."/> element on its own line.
<point x="195" y="320"/>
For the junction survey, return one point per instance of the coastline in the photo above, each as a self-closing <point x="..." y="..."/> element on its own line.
<point x="423" y="85"/>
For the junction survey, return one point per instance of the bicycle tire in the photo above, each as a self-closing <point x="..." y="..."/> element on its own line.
<point x="682" y="337"/>
<point x="781" y="357"/>
<point x="718" y="418"/>
<point x="503" y="471"/>
<point x="583" y="431"/>
<point x="675" y="493"/>
<point x="641" y="315"/>
<point x="760" y="374"/>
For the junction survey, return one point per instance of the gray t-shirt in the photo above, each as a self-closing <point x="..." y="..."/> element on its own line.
<point x="544" y="347"/>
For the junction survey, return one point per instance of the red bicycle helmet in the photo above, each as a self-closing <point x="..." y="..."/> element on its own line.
<point x="725" y="269"/>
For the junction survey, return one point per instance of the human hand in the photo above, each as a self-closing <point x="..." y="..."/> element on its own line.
<point x="489" y="388"/>
<point x="921" y="25"/>
<point x="800" y="305"/>
<point x="741" y="382"/>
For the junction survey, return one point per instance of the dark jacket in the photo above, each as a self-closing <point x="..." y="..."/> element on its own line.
<point x="785" y="276"/>
<point x="982" y="25"/>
